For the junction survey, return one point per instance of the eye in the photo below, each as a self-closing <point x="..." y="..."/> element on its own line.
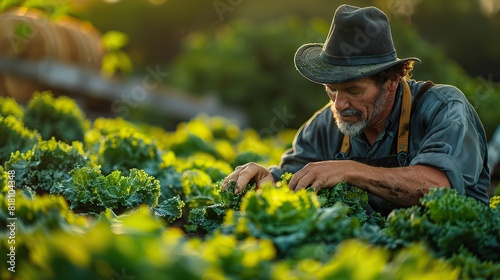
<point x="354" y="91"/>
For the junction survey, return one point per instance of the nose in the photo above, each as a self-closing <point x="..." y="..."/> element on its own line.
<point x="341" y="101"/>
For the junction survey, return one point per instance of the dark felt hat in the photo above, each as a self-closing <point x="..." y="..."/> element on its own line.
<point x="359" y="44"/>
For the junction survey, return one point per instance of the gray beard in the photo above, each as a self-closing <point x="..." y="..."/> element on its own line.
<point x="352" y="129"/>
<point x="355" y="129"/>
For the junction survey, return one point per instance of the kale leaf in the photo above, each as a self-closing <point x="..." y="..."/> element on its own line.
<point x="59" y="117"/>
<point x="15" y="137"/>
<point x="88" y="191"/>
<point x="46" y="163"/>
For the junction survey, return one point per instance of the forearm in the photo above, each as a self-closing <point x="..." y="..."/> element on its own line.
<point x="403" y="186"/>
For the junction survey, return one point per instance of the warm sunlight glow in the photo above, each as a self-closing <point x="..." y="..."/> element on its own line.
<point x="490" y="7"/>
<point x="157" y="2"/>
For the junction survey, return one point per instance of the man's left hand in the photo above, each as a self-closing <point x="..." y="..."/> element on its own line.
<point x="322" y="174"/>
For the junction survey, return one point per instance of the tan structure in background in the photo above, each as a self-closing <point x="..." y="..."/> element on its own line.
<point x="28" y="34"/>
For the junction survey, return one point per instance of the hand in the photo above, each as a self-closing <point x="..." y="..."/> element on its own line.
<point x="321" y="174"/>
<point x="244" y="174"/>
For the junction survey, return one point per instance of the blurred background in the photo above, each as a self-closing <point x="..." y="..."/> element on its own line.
<point x="165" y="61"/>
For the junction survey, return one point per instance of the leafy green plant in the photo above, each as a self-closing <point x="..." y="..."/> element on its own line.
<point x="197" y="188"/>
<point x="4" y="178"/>
<point x="275" y="213"/>
<point x="102" y="127"/>
<point x="472" y="267"/>
<point x="449" y="223"/>
<point x="127" y="148"/>
<point x="134" y="244"/>
<point x="9" y="107"/>
<point x="229" y="199"/>
<point x="33" y="212"/>
<point x="279" y="211"/>
<point x="34" y="216"/>
<point x="88" y="191"/>
<point x="170" y="209"/>
<point x="15" y="137"/>
<point x="209" y="218"/>
<point x="495" y="201"/>
<point x="187" y="143"/>
<point x="59" y="117"/>
<point x="202" y="202"/>
<point x="378" y="263"/>
<point x="250" y="258"/>
<point x="214" y="168"/>
<point x="268" y="232"/>
<point x="45" y="164"/>
<point x="170" y="181"/>
<point x="353" y="197"/>
<point x="296" y="222"/>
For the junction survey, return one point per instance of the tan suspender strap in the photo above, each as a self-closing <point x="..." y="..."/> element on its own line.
<point x="404" y="119"/>
<point x="346" y="145"/>
<point x="404" y="123"/>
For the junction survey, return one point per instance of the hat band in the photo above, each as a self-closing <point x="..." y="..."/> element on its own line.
<point x="357" y="60"/>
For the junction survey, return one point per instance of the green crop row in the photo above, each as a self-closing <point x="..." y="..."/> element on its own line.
<point x="110" y="199"/>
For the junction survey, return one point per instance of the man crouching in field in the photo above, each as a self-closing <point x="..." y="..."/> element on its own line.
<point x="392" y="136"/>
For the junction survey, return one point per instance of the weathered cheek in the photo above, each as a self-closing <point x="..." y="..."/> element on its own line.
<point x="367" y="111"/>
<point x="367" y="114"/>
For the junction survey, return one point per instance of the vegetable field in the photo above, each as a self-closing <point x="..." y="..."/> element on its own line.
<point x="111" y="199"/>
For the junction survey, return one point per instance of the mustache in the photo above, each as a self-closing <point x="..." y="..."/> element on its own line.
<point x="350" y="112"/>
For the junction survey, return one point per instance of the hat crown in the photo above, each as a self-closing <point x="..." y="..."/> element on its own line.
<point x="358" y="36"/>
<point x="359" y="44"/>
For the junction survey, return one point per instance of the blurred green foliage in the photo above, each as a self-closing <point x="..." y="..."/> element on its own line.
<point x="10" y="107"/>
<point x="438" y="67"/>
<point x="168" y="22"/>
<point x="467" y="31"/>
<point x="58" y="117"/>
<point x="15" y="137"/>
<point x="242" y="51"/>
<point x="53" y="8"/>
<point x="250" y="66"/>
<point x="115" y="59"/>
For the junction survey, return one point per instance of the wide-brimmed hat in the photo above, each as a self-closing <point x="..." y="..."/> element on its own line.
<point x="359" y="44"/>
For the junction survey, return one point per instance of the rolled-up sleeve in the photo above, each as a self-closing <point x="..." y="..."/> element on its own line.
<point x="452" y="139"/>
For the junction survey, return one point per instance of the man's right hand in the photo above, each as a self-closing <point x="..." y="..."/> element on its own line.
<point x="244" y="174"/>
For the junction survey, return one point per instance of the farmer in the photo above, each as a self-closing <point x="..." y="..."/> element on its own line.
<point x="387" y="134"/>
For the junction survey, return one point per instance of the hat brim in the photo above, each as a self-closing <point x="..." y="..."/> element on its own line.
<point x="310" y="65"/>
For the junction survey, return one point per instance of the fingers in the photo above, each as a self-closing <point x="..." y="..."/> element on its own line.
<point x="301" y="180"/>
<point x="244" y="177"/>
<point x="315" y="175"/>
<point x="266" y="179"/>
<point x="244" y="174"/>
<point x="231" y="178"/>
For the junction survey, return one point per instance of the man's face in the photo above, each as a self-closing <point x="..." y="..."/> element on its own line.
<point x="357" y="104"/>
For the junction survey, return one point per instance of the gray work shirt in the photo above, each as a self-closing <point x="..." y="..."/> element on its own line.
<point x="445" y="132"/>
